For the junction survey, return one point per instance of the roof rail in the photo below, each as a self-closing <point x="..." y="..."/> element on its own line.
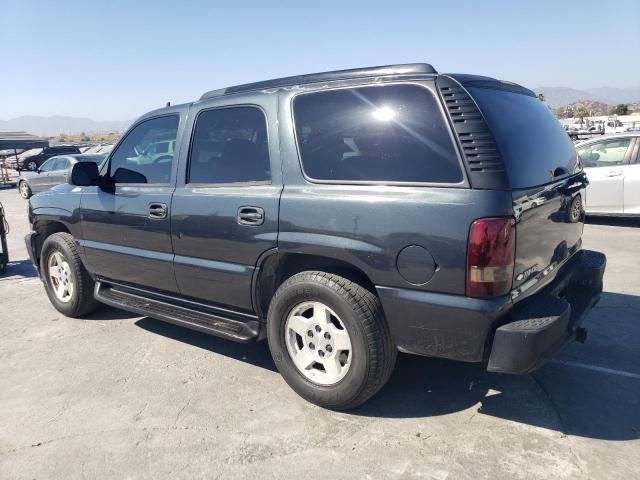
<point x="403" y="69"/>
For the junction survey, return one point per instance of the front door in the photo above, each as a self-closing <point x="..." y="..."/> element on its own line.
<point x="225" y="209"/>
<point x="59" y="171"/>
<point x="604" y="164"/>
<point x="39" y="180"/>
<point x="126" y="229"/>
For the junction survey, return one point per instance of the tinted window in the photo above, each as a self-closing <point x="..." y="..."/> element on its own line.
<point x="533" y="144"/>
<point x="230" y="146"/>
<point x="393" y="133"/>
<point x="48" y="165"/>
<point x="60" y="163"/>
<point x="137" y="152"/>
<point x="604" y="154"/>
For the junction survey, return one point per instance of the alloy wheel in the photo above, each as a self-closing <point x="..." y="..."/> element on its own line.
<point x="60" y="277"/>
<point x="318" y="342"/>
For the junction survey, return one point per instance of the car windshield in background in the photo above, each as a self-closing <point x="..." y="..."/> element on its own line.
<point x="90" y="158"/>
<point x="534" y="147"/>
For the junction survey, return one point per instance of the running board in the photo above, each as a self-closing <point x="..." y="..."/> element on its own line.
<point x="148" y="304"/>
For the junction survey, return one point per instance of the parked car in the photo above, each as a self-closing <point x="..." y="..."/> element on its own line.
<point x="15" y="161"/>
<point x="612" y="165"/>
<point x="344" y="216"/>
<point x="33" y="162"/>
<point x="52" y="172"/>
<point x="102" y="149"/>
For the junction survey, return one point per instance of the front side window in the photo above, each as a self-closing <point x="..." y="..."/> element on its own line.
<point x="60" y="163"/>
<point x="230" y="146"/>
<point x="393" y="133"/>
<point x="48" y="165"/>
<point x="604" y="154"/>
<point x="137" y="160"/>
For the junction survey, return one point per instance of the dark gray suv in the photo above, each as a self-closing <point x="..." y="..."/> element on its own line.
<point x="344" y="216"/>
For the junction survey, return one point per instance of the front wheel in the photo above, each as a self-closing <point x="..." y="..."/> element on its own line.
<point x="25" y="191"/>
<point x="329" y="339"/>
<point x="575" y="209"/>
<point x="66" y="281"/>
<point x="32" y="166"/>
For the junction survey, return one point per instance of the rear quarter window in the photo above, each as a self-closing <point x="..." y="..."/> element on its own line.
<point x="534" y="147"/>
<point x="393" y="133"/>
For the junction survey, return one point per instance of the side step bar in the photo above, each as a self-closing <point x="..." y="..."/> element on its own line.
<point x="179" y="313"/>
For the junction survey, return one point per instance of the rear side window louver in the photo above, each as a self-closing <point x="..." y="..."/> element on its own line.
<point x="484" y="163"/>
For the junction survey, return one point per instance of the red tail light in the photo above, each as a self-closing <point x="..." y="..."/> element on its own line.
<point x="490" y="256"/>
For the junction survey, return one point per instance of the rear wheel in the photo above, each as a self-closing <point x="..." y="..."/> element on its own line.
<point x="67" y="283"/>
<point x="329" y="339"/>
<point x="32" y="165"/>
<point x="24" y="190"/>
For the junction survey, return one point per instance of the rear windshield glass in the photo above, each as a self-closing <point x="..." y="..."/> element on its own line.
<point x="394" y="133"/>
<point x="534" y="146"/>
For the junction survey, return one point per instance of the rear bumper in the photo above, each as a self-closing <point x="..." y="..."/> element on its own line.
<point x="475" y="330"/>
<point x="549" y="320"/>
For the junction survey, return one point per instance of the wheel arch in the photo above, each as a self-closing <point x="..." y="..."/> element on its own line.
<point x="44" y="228"/>
<point x="275" y="267"/>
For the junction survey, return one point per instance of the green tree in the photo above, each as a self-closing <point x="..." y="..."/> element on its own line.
<point x="582" y="112"/>
<point x="621" y="109"/>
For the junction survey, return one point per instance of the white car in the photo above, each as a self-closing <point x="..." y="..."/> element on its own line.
<point x="612" y="165"/>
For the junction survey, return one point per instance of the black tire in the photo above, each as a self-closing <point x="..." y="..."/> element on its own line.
<point x="82" y="301"/>
<point x="373" y="351"/>
<point x="31" y="166"/>
<point x="24" y="190"/>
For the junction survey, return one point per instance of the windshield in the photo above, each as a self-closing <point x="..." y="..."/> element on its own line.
<point x="535" y="148"/>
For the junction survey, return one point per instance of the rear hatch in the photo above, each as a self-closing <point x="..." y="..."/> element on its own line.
<point x="545" y="178"/>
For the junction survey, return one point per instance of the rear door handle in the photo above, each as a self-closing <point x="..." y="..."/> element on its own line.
<point x="158" y="210"/>
<point x="250" y="216"/>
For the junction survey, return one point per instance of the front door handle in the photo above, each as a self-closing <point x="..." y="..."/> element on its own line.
<point x="614" y="173"/>
<point x="250" y="216"/>
<point x="158" y="210"/>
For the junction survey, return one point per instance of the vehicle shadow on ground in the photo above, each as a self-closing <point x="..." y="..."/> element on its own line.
<point x="254" y="353"/>
<point x="109" y="313"/>
<point x="557" y="397"/>
<point x="19" y="269"/>
<point x="613" y="221"/>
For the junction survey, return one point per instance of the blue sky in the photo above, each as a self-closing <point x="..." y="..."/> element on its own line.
<point x="114" y="60"/>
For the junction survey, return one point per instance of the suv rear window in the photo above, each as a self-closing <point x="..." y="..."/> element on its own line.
<point x="394" y="133"/>
<point x="534" y="147"/>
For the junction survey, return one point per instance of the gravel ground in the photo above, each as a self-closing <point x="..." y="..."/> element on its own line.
<point x="119" y="396"/>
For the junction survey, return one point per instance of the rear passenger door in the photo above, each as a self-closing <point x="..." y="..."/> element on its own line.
<point x="225" y="209"/>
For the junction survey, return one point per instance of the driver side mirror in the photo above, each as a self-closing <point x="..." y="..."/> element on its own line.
<point x="84" y="174"/>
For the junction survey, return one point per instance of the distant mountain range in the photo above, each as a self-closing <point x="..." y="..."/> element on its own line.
<point x="555" y="97"/>
<point x="55" y="125"/>
<point x="562" y="96"/>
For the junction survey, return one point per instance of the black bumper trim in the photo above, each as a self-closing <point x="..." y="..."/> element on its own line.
<point x="542" y="325"/>
<point x="30" y="240"/>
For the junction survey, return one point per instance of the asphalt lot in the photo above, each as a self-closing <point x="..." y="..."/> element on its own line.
<point x="119" y="396"/>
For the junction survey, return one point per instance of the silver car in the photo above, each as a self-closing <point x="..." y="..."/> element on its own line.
<point x="52" y="172"/>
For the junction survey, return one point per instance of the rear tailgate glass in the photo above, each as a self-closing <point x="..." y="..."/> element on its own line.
<point x="534" y="147"/>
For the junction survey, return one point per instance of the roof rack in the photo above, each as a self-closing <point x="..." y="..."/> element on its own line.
<point x="404" y="69"/>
